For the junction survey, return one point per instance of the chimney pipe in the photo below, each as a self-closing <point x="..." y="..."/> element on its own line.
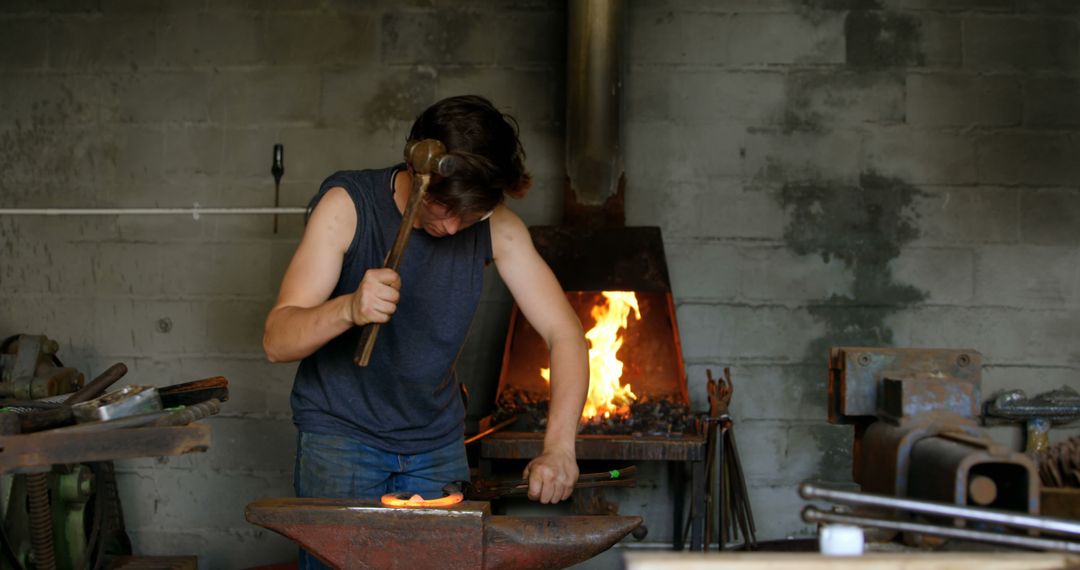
<point x="594" y="163"/>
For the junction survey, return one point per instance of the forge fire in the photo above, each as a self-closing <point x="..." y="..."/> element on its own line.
<point x="614" y="406"/>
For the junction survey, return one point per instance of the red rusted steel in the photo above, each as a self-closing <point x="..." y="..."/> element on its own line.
<point x="345" y="533"/>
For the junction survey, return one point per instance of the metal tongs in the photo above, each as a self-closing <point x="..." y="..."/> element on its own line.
<point x="1068" y="531"/>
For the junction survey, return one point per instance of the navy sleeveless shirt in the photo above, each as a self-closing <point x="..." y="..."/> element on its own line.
<point x="407" y="399"/>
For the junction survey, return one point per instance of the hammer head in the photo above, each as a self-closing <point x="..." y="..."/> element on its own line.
<point x="428" y="156"/>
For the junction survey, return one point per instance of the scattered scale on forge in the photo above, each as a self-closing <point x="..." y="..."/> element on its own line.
<point x="646" y="417"/>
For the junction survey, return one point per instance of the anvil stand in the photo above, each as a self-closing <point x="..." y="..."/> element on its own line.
<point x="685" y="458"/>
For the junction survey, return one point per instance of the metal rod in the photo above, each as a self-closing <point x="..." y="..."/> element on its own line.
<point x="812" y="514"/>
<point x="1008" y="518"/>
<point x="195" y="211"/>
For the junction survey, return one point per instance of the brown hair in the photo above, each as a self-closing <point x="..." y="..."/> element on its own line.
<point x="491" y="160"/>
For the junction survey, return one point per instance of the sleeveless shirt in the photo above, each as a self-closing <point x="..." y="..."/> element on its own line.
<point x="407" y="399"/>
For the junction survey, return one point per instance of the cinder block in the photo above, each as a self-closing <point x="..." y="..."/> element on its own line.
<point x="153" y="6"/>
<point x="719" y="210"/>
<point x="48" y="267"/>
<point x="875" y="38"/>
<point x="236" y="326"/>
<point x="659" y="34"/>
<point x="823" y="100"/>
<point x="704" y="270"/>
<point x="1028" y="159"/>
<point x="450" y="36"/>
<point x="691" y="153"/>
<point x="770" y="39"/>
<point x="957" y="5"/>
<point x="1049" y="216"/>
<point x="211" y="39"/>
<point x="54" y="228"/>
<point x="67" y="320"/>
<point x="216" y="548"/>
<point x="268" y="96"/>
<point x="377" y="98"/>
<point x="193" y="151"/>
<point x="163" y="96"/>
<point x="1002" y="335"/>
<point x="36" y="99"/>
<point x="727" y="6"/>
<point x="722" y="331"/>
<point x="1052" y="102"/>
<point x="1021" y="43"/>
<point x="705" y="97"/>
<point x="920" y="157"/>
<point x="248" y="153"/>
<point x="963" y="100"/>
<point x="301" y="39"/>
<point x="942" y="40"/>
<point x="534" y="97"/>
<point x="171" y="327"/>
<point x="818" y="451"/>
<point x="111" y="42"/>
<point x="196" y="498"/>
<point x="132" y="154"/>
<point x="223" y="269"/>
<point x="528" y="38"/>
<point x="47" y="166"/>
<point x="24" y="42"/>
<point x="777" y="274"/>
<point x="316" y="153"/>
<point x="762" y="449"/>
<point x="951" y="215"/>
<point x="1027" y="276"/>
<point x="128" y="269"/>
<point x="793" y="157"/>
<point x="776" y="512"/>
<point x="943" y="275"/>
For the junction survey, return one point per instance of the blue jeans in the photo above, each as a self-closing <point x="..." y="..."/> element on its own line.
<point x="337" y="467"/>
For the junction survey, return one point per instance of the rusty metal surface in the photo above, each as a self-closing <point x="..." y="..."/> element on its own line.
<point x="519" y="445"/>
<point x="856" y="375"/>
<point x="361" y="534"/>
<point x="604" y="259"/>
<point x="29" y="369"/>
<point x="36" y="450"/>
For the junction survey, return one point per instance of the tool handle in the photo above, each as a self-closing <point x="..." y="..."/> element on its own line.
<point x="98" y="385"/>
<point x="427" y="157"/>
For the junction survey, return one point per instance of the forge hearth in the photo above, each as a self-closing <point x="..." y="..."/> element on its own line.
<point x="649" y="418"/>
<point x="616" y="280"/>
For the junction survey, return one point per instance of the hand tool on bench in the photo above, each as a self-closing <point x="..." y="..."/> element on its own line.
<point x="426" y="158"/>
<point x="63" y="415"/>
<point x="486" y="490"/>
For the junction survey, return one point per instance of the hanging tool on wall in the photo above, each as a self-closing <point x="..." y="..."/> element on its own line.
<point x="426" y="158"/>
<point x="277" y="168"/>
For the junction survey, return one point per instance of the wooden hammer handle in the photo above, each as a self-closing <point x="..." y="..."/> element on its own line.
<point x="426" y="157"/>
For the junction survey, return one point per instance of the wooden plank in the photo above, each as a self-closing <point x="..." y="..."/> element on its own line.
<point x="35" y="450"/>
<point x="871" y="561"/>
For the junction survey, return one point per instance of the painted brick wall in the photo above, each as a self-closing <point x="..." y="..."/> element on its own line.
<point x="825" y="172"/>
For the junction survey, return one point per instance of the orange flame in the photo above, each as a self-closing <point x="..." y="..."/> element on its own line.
<point x="607" y="395"/>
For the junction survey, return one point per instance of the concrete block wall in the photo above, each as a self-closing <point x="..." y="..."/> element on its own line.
<point x="897" y="172"/>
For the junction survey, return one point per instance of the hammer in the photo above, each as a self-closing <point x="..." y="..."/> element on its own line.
<point x="425" y="158"/>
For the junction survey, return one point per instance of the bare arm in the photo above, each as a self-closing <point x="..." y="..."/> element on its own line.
<point x="305" y="317"/>
<point x="541" y="299"/>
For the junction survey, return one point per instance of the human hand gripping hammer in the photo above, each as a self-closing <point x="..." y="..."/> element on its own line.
<point x="426" y="158"/>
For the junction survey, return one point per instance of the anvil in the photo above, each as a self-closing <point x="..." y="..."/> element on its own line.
<point x="345" y="533"/>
